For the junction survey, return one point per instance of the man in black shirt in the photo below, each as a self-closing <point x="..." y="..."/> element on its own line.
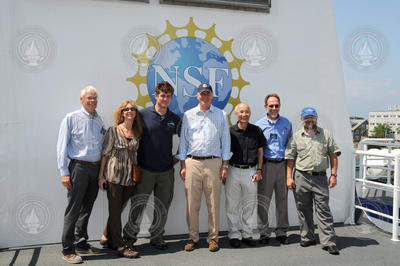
<point x="245" y="166"/>
<point x="157" y="163"/>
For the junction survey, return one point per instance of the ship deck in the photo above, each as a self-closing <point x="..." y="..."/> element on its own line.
<point x="361" y="244"/>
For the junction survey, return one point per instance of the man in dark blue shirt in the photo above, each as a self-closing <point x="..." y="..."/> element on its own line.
<point x="157" y="163"/>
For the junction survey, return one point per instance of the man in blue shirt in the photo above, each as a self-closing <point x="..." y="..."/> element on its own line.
<point x="277" y="131"/>
<point x="157" y="163"/>
<point x="204" y="152"/>
<point x="80" y="140"/>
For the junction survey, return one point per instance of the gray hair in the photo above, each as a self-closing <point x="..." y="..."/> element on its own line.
<point x="88" y="88"/>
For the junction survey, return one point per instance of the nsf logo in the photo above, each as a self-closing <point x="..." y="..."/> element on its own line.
<point x="186" y="63"/>
<point x="187" y="56"/>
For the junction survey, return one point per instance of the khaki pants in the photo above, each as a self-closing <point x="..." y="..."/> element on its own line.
<point x="241" y="202"/>
<point x="203" y="175"/>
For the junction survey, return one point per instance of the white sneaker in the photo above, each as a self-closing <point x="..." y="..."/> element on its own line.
<point x="72" y="258"/>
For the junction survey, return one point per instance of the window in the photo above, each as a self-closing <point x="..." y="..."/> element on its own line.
<point x="378" y="116"/>
<point x="385" y="116"/>
<point x="248" y="5"/>
<point x="372" y="116"/>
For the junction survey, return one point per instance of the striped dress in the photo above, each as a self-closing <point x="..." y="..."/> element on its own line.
<point x="121" y="155"/>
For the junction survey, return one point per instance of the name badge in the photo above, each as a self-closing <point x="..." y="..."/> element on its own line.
<point x="273" y="136"/>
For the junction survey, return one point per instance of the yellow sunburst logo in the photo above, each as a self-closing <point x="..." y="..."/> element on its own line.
<point x="216" y="50"/>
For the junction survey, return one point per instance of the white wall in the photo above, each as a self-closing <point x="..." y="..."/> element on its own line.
<point x="87" y="38"/>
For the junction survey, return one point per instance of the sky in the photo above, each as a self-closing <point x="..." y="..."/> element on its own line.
<point x="371" y="73"/>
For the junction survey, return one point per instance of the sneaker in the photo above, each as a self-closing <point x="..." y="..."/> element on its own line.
<point x="190" y="246"/>
<point x="283" y="239"/>
<point x="72" y="258"/>
<point x="127" y="252"/>
<point x="159" y="244"/>
<point x="85" y="248"/>
<point x="213" y="246"/>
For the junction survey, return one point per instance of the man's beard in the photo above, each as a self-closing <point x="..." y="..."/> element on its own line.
<point x="310" y="126"/>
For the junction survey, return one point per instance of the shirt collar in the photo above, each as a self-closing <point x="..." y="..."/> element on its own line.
<point x="153" y="109"/>
<point x="237" y="129"/>
<point x="211" y="109"/>
<point x="87" y="113"/>
<point x="303" y="131"/>
<point x="274" y="121"/>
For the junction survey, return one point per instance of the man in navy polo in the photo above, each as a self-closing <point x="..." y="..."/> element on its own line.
<point x="157" y="163"/>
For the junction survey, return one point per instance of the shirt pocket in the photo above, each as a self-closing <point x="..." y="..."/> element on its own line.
<point x="303" y="148"/>
<point x="322" y="148"/>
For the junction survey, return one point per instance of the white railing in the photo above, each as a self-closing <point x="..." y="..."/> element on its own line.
<point x="393" y="164"/>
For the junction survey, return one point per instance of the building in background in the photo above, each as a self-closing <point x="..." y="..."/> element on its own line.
<point x="390" y="117"/>
<point x="359" y="128"/>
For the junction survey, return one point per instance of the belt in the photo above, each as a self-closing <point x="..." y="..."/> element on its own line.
<point x="85" y="162"/>
<point x="272" y="160"/>
<point x="202" y="157"/>
<point x="242" y="166"/>
<point x="314" y="173"/>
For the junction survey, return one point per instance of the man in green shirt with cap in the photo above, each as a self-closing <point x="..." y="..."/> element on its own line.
<point x="312" y="149"/>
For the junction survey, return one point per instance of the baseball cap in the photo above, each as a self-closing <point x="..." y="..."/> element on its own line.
<point x="308" y="111"/>
<point x="204" y="87"/>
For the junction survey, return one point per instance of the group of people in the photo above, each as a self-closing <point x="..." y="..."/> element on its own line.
<point x="253" y="161"/>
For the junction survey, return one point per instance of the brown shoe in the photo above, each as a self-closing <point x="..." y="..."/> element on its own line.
<point x="190" y="246"/>
<point x="213" y="246"/>
<point x="72" y="258"/>
<point x="127" y="252"/>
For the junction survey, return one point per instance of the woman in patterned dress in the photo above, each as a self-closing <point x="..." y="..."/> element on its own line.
<point x="119" y="154"/>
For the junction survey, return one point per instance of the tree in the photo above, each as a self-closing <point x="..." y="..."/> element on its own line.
<point x="382" y="131"/>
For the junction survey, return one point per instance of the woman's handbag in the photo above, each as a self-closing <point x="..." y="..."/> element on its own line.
<point x="137" y="173"/>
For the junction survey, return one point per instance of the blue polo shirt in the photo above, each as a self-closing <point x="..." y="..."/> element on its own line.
<point x="155" y="149"/>
<point x="277" y="133"/>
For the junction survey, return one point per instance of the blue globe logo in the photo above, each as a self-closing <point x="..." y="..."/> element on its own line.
<point x="186" y="63"/>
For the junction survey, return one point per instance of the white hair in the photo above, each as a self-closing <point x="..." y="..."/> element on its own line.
<point x="87" y="89"/>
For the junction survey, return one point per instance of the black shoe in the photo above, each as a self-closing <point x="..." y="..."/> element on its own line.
<point x="305" y="244"/>
<point x="332" y="250"/>
<point x="283" y="239"/>
<point x="264" y="240"/>
<point x="249" y="241"/>
<point x="159" y="244"/>
<point x="234" y="242"/>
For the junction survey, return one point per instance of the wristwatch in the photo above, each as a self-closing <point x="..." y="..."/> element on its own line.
<point x="259" y="169"/>
<point x="225" y="166"/>
<point x="335" y="175"/>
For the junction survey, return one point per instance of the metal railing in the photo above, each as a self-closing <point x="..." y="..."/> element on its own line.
<point x="393" y="165"/>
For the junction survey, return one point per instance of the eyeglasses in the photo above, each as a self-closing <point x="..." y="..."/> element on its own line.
<point x="126" y="109"/>
<point x="274" y="105"/>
